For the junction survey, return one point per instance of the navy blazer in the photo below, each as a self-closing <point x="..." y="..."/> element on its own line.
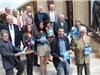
<point x="18" y="36"/>
<point x="55" y="49"/>
<point x="45" y="18"/>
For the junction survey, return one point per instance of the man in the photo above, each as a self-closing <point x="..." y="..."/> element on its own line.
<point x="17" y="19"/>
<point x="61" y="24"/>
<point x="53" y="15"/>
<point x="27" y="13"/>
<point x="3" y="15"/>
<point x="8" y="54"/>
<point x="59" y="45"/>
<point x="13" y="29"/>
<point x="75" y="28"/>
<point x="96" y="16"/>
<point x="81" y="59"/>
<point x="40" y="16"/>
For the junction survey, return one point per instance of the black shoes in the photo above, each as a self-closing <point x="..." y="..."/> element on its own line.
<point x="37" y="65"/>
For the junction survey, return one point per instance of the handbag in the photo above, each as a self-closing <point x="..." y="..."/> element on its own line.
<point x="87" y="48"/>
<point x="74" y="32"/>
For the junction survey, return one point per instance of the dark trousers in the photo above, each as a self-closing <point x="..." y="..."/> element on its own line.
<point x="35" y="56"/>
<point x="30" y="63"/>
<point x="19" y="67"/>
<point x="35" y="59"/>
<point x="80" y="68"/>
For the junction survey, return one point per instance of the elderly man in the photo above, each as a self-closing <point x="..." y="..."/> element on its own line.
<point x="13" y="29"/>
<point x="61" y="24"/>
<point x="8" y="54"/>
<point x="53" y="15"/>
<point x="27" y="13"/>
<point x="79" y="46"/>
<point x="40" y="15"/>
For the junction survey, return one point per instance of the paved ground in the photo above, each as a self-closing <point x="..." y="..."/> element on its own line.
<point x="95" y="68"/>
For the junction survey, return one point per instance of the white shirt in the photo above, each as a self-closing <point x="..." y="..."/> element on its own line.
<point x="62" y="23"/>
<point x="12" y="34"/>
<point x="52" y="16"/>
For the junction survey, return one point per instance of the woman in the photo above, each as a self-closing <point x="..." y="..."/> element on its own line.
<point x="29" y="41"/>
<point x="42" y="48"/>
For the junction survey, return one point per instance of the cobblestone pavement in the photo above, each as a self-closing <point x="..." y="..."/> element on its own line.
<point x="95" y="68"/>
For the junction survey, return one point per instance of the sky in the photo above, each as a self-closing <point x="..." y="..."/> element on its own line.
<point x="11" y="3"/>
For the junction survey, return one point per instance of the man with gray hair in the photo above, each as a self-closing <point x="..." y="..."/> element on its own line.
<point x="40" y="16"/>
<point x="61" y="24"/>
<point x="9" y="55"/>
<point x="82" y="49"/>
<point x="27" y="13"/>
<point x="15" y="35"/>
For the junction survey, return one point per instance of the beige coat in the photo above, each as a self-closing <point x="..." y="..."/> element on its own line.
<point x="80" y="58"/>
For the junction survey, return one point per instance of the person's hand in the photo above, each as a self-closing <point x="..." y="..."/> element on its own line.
<point x="18" y="54"/>
<point x="38" y="40"/>
<point x="61" y="59"/>
<point x="78" y="48"/>
<point x="23" y="52"/>
<point x="70" y="51"/>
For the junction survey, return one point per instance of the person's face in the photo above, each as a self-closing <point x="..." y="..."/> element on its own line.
<point x="5" y="36"/>
<point x="61" y="32"/>
<point x="15" y="13"/>
<point x="40" y="9"/>
<point x="10" y="20"/>
<point x="29" y="21"/>
<point x="29" y="9"/>
<point x="62" y="18"/>
<point x="29" y="28"/>
<point x="77" y="23"/>
<point x="8" y="10"/>
<point x="52" y="7"/>
<point x="41" y="25"/>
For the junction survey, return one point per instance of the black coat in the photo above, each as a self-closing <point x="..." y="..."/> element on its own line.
<point x="55" y="50"/>
<point x="7" y="52"/>
<point x="45" y="18"/>
<point x="18" y="35"/>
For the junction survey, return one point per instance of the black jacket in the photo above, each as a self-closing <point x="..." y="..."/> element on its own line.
<point x="55" y="50"/>
<point x="18" y="35"/>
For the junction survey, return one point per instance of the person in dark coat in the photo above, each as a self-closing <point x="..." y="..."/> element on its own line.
<point x="40" y="16"/>
<point x="13" y="29"/>
<point x="9" y="55"/>
<point x="96" y="16"/>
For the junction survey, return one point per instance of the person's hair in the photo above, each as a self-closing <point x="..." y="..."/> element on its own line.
<point x="28" y="18"/>
<point x="60" y="28"/>
<point x="2" y="32"/>
<point x="44" y="28"/>
<point x="27" y="27"/>
<point x="8" y="16"/>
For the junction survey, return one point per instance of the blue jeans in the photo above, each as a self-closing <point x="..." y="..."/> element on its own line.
<point x="63" y="68"/>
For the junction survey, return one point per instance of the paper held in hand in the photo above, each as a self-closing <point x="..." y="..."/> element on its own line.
<point x="24" y="53"/>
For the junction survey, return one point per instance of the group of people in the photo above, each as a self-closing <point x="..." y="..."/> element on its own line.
<point x="45" y="34"/>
